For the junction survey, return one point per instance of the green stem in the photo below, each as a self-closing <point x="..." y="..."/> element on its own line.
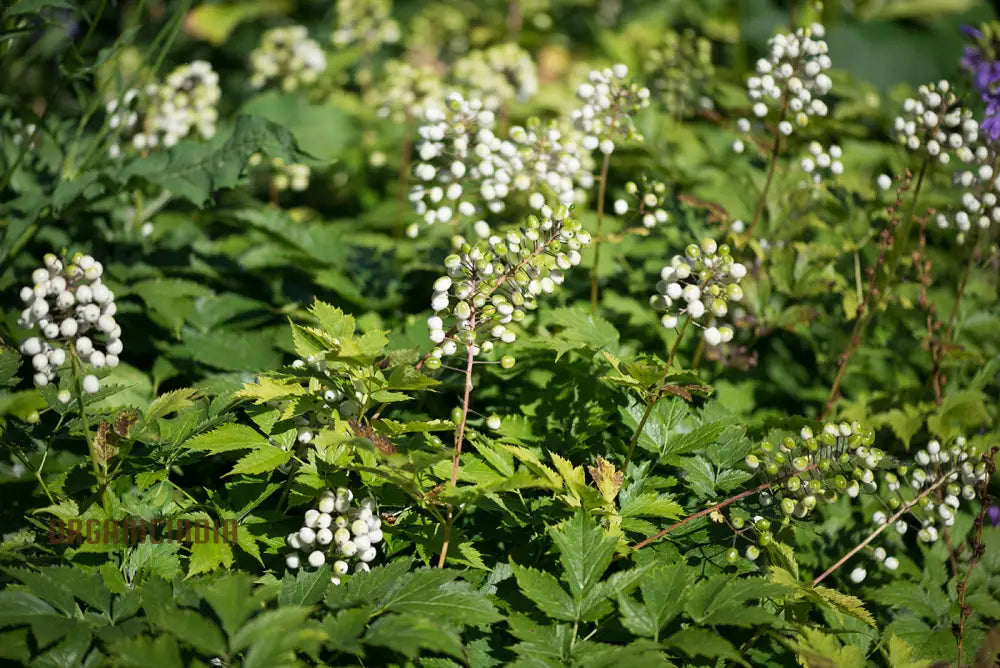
<point x="657" y="393"/>
<point x="865" y="316"/>
<point x="459" y="439"/>
<point x="775" y="152"/>
<point x="78" y="386"/>
<point x="601" y="190"/>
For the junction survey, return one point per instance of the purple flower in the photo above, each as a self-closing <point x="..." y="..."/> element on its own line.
<point x="979" y="61"/>
<point x="991" y="123"/>
<point x="993" y="512"/>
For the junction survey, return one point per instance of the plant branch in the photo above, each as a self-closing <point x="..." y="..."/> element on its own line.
<point x="978" y="548"/>
<point x="657" y="393"/>
<point x="873" y="535"/>
<point x="459" y="439"/>
<point x="708" y="511"/>
<point x="890" y="247"/>
<point x="775" y="152"/>
<point x="601" y="190"/>
<point x="78" y="387"/>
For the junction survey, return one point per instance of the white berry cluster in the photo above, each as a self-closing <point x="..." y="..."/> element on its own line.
<point x="281" y="175"/>
<point x="163" y="114"/>
<point x="935" y="122"/>
<point x="404" y="90"/>
<point x="337" y="532"/>
<point x="700" y="285"/>
<point x="66" y="302"/>
<point x="789" y="83"/>
<point x="551" y="164"/>
<point x="340" y="396"/>
<point x="680" y="71"/>
<point x="979" y="184"/>
<point x="822" y="163"/>
<point x="492" y="284"/>
<point x="648" y="197"/>
<point x="365" y="23"/>
<point x="843" y="460"/>
<point x="959" y="465"/>
<point x="497" y="75"/>
<point x="464" y="167"/>
<point x="288" y="57"/>
<point x="609" y="101"/>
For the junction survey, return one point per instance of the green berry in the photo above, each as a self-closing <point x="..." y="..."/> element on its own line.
<point x="456" y="415"/>
<point x="788" y="505"/>
<point x="507" y="361"/>
<point x="433" y="363"/>
<point x="752" y="552"/>
<point x="732" y="554"/>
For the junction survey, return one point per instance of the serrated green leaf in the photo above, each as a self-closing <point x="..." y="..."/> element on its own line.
<point x="304" y="588"/>
<point x="210" y="555"/>
<point x="581" y="328"/>
<point x="664" y="589"/>
<point x="262" y="460"/>
<point x="545" y="591"/>
<point x="585" y="552"/>
<point x="229" y="596"/>
<point x="702" y="642"/>
<point x="408" y="634"/>
<point x="226" y="438"/>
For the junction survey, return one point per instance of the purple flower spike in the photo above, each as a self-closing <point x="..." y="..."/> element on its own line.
<point x="974" y="33"/>
<point x="993" y="512"/>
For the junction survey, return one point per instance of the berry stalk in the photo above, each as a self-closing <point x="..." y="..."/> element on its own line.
<point x="905" y="508"/>
<point x="601" y="190"/>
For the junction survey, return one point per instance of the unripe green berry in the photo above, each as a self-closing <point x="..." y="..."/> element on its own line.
<point x="732" y="554"/>
<point x="752" y="552"/>
<point x="507" y="361"/>
<point x="456" y="415"/>
<point x="788" y="505"/>
<point x="433" y="363"/>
